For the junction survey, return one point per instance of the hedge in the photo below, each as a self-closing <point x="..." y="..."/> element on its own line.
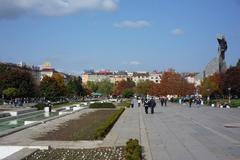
<point x="102" y="105"/>
<point x="103" y="130"/>
<point x="133" y="150"/>
<point x="39" y="106"/>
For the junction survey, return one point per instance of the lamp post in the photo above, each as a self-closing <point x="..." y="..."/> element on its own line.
<point x="208" y="98"/>
<point x="229" y="95"/>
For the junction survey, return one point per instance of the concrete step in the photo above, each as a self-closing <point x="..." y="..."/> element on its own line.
<point x="21" y="154"/>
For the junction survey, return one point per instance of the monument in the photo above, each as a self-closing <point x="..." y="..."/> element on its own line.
<point x="218" y="64"/>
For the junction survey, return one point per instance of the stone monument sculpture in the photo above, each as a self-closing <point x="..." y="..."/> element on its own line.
<point x="218" y="64"/>
<point x="221" y="53"/>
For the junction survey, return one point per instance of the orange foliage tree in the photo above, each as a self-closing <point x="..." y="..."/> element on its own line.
<point x="173" y="83"/>
<point x="211" y="85"/>
<point x="122" y="86"/>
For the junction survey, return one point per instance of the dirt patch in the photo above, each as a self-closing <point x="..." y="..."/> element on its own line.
<point x="83" y="128"/>
<point x="107" y="153"/>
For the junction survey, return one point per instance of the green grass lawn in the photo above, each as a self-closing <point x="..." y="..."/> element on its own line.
<point x="234" y="102"/>
<point x="91" y="126"/>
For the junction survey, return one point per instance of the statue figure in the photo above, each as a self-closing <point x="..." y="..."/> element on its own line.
<point x="222" y="46"/>
<point x="221" y="50"/>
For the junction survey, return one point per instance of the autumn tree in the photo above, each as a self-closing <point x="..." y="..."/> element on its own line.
<point x="231" y="79"/>
<point x="122" y="86"/>
<point x="173" y="83"/>
<point x="210" y="86"/>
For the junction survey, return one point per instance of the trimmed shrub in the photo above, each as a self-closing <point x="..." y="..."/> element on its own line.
<point x="39" y="106"/>
<point x="133" y="150"/>
<point x="103" y="130"/>
<point x="102" y="105"/>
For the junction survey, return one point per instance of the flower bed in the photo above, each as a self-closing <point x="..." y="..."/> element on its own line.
<point x="106" y="153"/>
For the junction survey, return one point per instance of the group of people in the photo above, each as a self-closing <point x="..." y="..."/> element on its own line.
<point x="149" y="103"/>
<point x="163" y="101"/>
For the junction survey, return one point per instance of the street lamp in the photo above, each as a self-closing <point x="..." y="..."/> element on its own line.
<point x="208" y="98"/>
<point x="229" y="95"/>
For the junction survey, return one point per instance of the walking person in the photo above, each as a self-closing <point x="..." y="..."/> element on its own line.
<point x="139" y="102"/>
<point x="190" y="102"/>
<point x="146" y="105"/>
<point x="152" y="105"/>
<point x="165" y="101"/>
<point x="132" y="102"/>
<point x="162" y="101"/>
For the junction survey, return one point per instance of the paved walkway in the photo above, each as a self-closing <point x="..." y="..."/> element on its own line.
<point x="172" y="133"/>
<point x="180" y="133"/>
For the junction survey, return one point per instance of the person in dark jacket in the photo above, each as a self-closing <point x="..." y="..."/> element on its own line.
<point x="152" y="105"/>
<point x="162" y="100"/>
<point x="165" y="101"/>
<point x="190" y="102"/>
<point x="146" y="105"/>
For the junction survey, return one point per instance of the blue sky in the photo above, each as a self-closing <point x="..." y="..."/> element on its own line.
<point x="118" y="34"/>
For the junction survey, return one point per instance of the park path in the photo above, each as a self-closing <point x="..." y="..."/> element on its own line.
<point x="180" y="133"/>
<point x="174" y="132"/>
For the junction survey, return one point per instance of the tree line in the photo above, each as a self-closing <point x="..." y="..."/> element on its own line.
<point x="19" y="83"/>
<point x="172" y="83"/>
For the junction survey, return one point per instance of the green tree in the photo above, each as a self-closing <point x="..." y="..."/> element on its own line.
<point x="19" y="79"/>
<point x="143" y="87"/>
<point x="92" y="86"/>
<point x="105" y="87"/>
<point x="10" y="92"/>
<point x="75" y="87"/>
<point x="128" y="93"/>
<point x="52" y="87"/>
<point x="238" y="63"/>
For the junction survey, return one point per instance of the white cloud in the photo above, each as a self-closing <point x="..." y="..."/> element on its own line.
<point x="177" y="32"/>
<point x="15" y="8"/>
<point x="132" y="24"/>
<point x="136" y="63"/>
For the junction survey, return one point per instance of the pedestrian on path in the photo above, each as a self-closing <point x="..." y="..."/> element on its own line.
<point x="146" y="105"/>
<point x="152" y="105"/>
<point x="132" y="102"/>
<point x="139" y="102"/>
<point x="190" y="102"/>
<point x="165" y="101"/>
<point x="162" y="101"/>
